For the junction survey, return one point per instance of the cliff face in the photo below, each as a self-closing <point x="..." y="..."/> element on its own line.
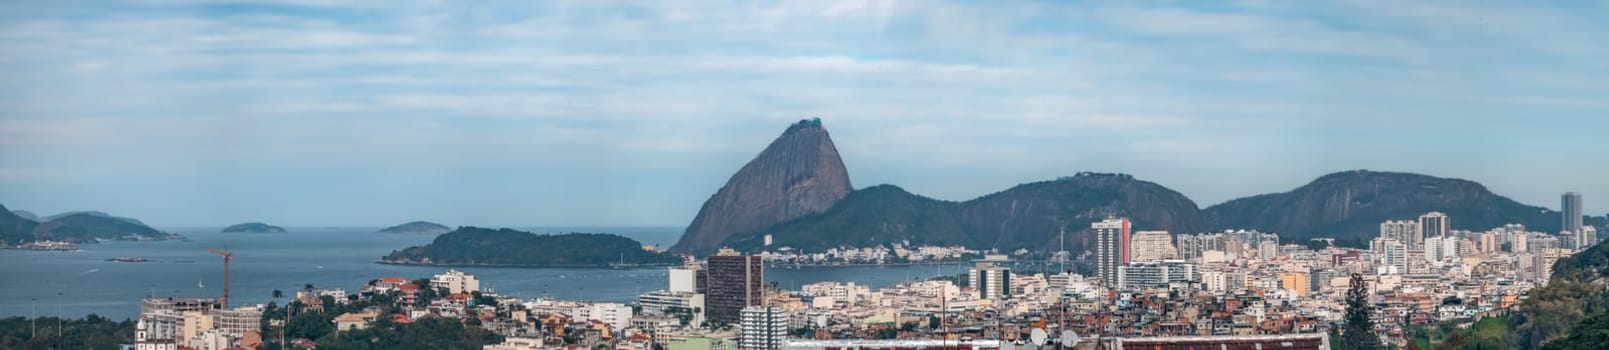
<point x="799" y="174"/>
<point x="1028" y="216"/>
<point x="1353" y="203"/>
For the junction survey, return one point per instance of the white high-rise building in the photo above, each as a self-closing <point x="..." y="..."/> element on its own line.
<point x="455" y="282"/>
<point x="1401" y="230"/>
<point x="762" y="328"/>
<point x="1152" y="246"/>
<point x="1111" y="248"/>
<point x="1433" y="249"/>
<point x="1589" y="237"/>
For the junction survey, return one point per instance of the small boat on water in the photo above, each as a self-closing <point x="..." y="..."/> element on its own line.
<point x="129" y="259"/>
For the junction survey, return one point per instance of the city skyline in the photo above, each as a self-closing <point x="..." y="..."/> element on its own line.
<point x="599" y="114"/>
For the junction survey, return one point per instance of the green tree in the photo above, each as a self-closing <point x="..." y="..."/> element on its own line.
<point x="1357" y="333"/>
<point x="1591" y="334"/>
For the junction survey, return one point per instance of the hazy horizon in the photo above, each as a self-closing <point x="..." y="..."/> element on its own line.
<point x="374" y="113"/>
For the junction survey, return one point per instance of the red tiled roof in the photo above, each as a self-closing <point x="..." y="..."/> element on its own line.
<point x="397" y="280"/>
<point x="458" y="296"/>
<point x="400" y="319"/>
<point x="408" y="287"/>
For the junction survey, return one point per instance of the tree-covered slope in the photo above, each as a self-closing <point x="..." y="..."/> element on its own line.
<point x="1354" y="203"/>
<point x="505" y="247"/>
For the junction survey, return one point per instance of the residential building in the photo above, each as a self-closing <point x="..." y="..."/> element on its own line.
<point x="1402" y="231"/>
<point x="354" y="320"/>
<point x="735" y="281"/>
<point x="157" y="331"/>
<point x="1296" y="282"/>
<point x="179" y="305"/>
<point x="1111" y="248"/>
<point x="681" y="304"/>
<point x="237" y="321"/>
<point x="991" y="281"/>
<point x="1149" y="274"/>
<point x="455" y="282"/>
<point x="1152" y="246"/>
<point x="1391" y="254"/>
<point x="762" y="328"/>
<point x="684" y="279"/>
<point x="1570" y="208"/>
<point x="616" y="315"/>
<point x="1432" y="224"/>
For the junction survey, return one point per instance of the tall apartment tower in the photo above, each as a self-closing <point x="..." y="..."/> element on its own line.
<point x="1111" y="248"/>
<point x="1432" y="224"/>
<point x="1402" y="230"/>
<point x="734" y="282"/>
<point x="1570" y="206"/>
<point x="762" y="328"/>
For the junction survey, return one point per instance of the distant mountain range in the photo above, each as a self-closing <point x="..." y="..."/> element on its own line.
<point x="791" y="191"/>
<point x="18" y="227"/>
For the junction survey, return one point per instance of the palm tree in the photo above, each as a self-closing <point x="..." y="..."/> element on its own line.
<point x="278" y="294"/>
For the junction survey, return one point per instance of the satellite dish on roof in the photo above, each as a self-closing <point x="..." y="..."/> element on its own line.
<point x="1069" y="338"/>
<point x="1038" y="336"/>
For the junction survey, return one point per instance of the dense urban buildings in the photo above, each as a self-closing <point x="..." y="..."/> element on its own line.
<point x="1229" y="288"/>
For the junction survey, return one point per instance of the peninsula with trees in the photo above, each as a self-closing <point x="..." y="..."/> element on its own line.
<point x="475" y="246"/>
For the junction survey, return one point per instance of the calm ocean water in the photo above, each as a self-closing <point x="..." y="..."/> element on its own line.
<point x="80" y="283"/>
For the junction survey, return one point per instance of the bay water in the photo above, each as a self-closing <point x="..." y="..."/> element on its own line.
<point x="79" y="283"/>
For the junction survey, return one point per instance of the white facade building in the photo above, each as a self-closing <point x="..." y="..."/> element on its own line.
<point x="991" y="282"/>
<point x="1152" y="246"/>
<point x="455" y="282"/>
<point x="762" y="328"/>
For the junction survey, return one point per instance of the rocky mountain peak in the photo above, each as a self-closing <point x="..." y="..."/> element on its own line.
<point x="798" y="174"/>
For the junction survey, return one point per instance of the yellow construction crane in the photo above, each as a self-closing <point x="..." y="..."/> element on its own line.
<point x="227" y="255"/>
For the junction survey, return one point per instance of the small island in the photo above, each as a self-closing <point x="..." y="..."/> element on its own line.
<point x="418" y="227"/>
<point x="254" y="227"/>
<point x="474" y="246"/>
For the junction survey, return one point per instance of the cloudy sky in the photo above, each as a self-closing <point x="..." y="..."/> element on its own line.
<point x="593" y="113"/>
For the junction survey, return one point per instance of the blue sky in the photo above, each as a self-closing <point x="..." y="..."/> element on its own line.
<point x="600" y="113"/>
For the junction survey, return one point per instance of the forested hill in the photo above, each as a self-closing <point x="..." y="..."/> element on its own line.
<point x="505" y="247"/>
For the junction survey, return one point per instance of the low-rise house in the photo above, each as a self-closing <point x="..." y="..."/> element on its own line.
<point x="353" y="321"/>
